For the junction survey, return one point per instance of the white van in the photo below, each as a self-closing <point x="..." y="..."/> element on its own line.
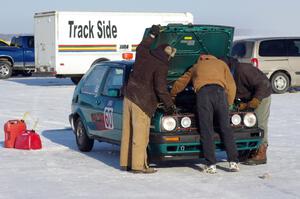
<point x="68" y="43"/>
<point x="278" y="58"/>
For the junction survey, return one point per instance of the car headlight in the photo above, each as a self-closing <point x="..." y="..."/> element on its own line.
<point x="249" y="119"/>
<point x="186" y="122"/>
<point x="236" y="119"/>
<point x="168" y="123"/>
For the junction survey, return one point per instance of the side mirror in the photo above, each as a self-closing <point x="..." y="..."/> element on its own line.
<point x="114" y="92"/>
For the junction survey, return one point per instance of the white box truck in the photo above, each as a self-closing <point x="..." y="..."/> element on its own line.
<point x="68" y="43"/>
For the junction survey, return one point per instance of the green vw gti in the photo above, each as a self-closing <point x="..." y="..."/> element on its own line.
<point x="97" y="103"/>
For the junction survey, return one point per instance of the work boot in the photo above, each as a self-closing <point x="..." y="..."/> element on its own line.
<point x="260" y="157"/>
<point x="145" y="170"/>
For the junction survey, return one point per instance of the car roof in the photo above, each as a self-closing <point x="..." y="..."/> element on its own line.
<point x="264" y="38"/>
<point x="122" y="63"/>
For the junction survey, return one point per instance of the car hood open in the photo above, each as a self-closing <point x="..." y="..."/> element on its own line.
<point x="191" y="41"/>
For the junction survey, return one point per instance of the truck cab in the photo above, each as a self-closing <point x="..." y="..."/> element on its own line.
<point x="18" y="57"/>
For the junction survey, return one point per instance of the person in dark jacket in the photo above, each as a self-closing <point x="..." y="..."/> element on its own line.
<point x="215" y="91"/>
<point x="146" y="85"/>
<point x="254" y="90"/>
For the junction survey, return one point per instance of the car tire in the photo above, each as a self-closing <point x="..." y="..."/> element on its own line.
<point x="84" y="143"/>
<point x="76" y="80"/>
<point x="5" y="69"/>
<point x="280" y="82"/>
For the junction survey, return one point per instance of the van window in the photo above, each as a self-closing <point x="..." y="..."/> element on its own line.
<point x="31" y="42"/>
<point x="293" y="48"/>
<point x="242" y="50"/>
<point x="273" y="48"/>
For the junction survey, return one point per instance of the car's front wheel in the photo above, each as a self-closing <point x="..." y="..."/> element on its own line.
<point x="280" y="82"/>
<point x="5" y="69"/>
<point x="84" y="143"/>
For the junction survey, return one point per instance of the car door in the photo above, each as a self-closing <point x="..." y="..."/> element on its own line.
<point x="89" y="98"/>
<point x="293" y="46"/>
<point x="29" y="51"/>
<point x="111" y="104"/>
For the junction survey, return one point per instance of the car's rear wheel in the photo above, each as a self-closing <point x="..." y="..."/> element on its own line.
<point x="280" y="82"/>
<point x="84" y="143"/>
<point x="5" y="69"/>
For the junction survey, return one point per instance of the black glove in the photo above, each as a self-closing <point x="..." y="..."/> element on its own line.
<point x="170" y="110"/>
<point x="155" y="30"/>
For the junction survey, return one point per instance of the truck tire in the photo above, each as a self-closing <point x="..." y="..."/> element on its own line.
<point x="76" y="80"/>
<point x="26" y="73"/>
<point x="84" y="143"/>
<point x="280" y="82"/>
<point x="5" y="69"/>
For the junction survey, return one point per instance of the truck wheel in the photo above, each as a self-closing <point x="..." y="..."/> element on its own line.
<point x="84" y="143"/>
<point x="76" y="80"/>
<point x="280" y="82"/>
<point x="5" y="69"/>
<point x="26" y="73"/>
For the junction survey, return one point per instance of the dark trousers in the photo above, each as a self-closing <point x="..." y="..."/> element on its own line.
<point x="212" y="105"/>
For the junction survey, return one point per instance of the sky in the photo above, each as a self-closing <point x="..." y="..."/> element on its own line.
<point x="249" y="17"/>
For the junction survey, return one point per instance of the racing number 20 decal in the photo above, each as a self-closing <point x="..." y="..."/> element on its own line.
<point x="108" y="118"/>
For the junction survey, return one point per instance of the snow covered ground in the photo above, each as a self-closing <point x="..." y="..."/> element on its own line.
<point x="59" y="170"/>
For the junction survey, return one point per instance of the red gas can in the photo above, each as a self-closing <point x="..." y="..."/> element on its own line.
<point x="12" y="129"/>
<point x="28" y="139"/>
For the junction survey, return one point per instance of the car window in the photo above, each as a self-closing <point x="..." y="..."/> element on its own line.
<point x="293" y="48"/>
<point x="242" y="49"/>
<point x="113" y="80"/>
<point x="272" y="48"/>
<point x="93" y="81"/>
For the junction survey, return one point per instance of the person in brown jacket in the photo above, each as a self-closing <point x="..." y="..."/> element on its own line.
<point x="254" y="90"/>
<point x="147" y="83"/>
<point x="215" y="89"/>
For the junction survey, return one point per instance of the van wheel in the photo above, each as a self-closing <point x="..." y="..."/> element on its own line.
<point x="280" y="82"/>
<point x="76" y="80"/>
<point x="5" y="69"/>
<point x="84" y="143"/>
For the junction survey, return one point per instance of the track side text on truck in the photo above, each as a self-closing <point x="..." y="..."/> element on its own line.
<point x="69" y="43"/>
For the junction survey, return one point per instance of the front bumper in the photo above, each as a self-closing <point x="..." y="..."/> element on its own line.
<point x="188" y="146"/>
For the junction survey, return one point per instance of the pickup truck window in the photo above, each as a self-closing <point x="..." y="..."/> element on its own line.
<point x="31" y="42"/>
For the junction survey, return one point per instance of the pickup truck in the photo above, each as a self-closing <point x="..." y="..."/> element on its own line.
<point x="18" y="57"/>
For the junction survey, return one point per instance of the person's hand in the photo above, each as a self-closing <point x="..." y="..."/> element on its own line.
<point x="242" y="106"/>
<point x="170" y="110"/>
<point x="254" y="103"/>
<point x="155" y="30"/>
